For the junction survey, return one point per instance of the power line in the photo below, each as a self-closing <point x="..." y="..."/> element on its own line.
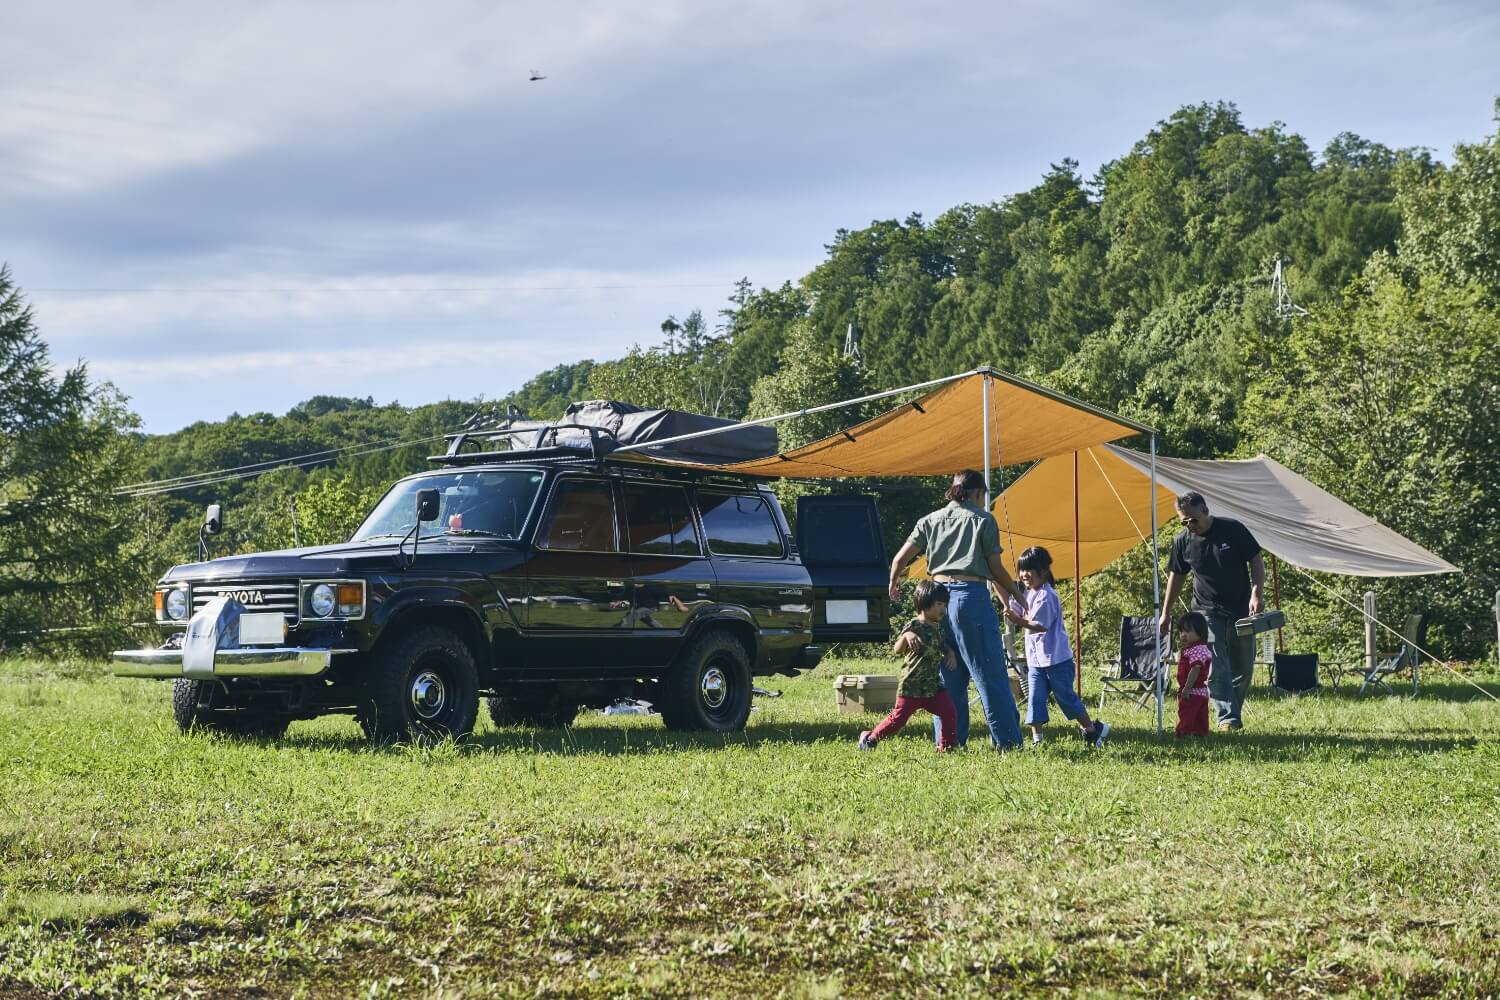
<point x="128" y="487"/>
<point x="252" y="474"/>
<point x="359" y="289"/>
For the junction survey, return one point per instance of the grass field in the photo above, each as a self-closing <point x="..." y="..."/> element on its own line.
<point x="1338" y="846"/>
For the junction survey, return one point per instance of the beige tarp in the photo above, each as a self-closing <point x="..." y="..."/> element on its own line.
<point x="1291" y="517"/>
<point x="943" y="432"/>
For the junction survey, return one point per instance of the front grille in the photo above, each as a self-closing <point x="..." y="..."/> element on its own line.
<point x="255" y="595"/>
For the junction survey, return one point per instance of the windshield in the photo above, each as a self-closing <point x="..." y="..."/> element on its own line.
<point x="488" y="503"/>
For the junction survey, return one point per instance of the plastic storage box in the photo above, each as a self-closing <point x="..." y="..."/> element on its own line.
<point x="857" y="693"/>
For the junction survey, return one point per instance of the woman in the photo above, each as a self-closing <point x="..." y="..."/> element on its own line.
<point x="962" y="545"/>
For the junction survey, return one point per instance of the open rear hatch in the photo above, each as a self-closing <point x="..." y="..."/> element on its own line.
<point x="841" y="545"/>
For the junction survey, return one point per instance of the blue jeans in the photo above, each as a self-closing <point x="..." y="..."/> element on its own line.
<point x="981" y="656"/>
<point x="1056" y="680"/>
<point x="1233" y="669"/>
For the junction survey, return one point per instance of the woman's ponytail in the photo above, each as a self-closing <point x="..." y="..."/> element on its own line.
<point x="964" y="483"/>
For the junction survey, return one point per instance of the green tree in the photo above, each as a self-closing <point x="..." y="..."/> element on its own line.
<point x="1451" y="215"/>
<point x="68" y="546"/>
<point x="690" y="370"/>
<point x="1391" y="401"/>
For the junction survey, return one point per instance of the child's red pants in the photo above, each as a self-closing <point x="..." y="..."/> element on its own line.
<point x="1192" y="716"/>
<point x="940" y="705"/>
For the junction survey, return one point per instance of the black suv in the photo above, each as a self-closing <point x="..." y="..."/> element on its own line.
<point x="545" y="580"/>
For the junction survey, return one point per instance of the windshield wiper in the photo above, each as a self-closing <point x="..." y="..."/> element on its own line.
<point x="475" y="531"/>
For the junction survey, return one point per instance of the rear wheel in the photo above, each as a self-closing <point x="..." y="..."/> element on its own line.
<point x="709" y="687"/>
<point x="424" y="688"/>
<point x="541" y="713"/>
<point x="207" y="705"/>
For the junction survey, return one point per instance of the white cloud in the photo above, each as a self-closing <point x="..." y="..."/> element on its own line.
<point x="103" y="94"/>
<point x="338" y="162"/>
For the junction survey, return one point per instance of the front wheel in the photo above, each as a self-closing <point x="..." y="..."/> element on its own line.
<point x="424" y="688"/>
<point x="709" y="687"/>
<point x="206" y="705"/>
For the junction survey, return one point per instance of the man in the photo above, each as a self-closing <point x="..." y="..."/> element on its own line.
<point x="962" y="545"/>
<point x="1228" y="577"/>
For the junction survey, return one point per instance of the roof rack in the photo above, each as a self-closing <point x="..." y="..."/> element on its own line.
<point x="456" y="456"/>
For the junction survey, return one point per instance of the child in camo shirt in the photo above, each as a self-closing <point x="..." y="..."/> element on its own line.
<point x="924" y="644"/>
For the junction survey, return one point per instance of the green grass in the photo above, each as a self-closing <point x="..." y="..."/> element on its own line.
<point x="1338" y="846"/>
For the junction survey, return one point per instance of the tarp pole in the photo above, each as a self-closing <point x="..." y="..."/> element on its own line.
<point x="1276" y="596"/>
<point x="1077" y="591"/>
<point x="984" y="381"/>
<point x="1161" y="675"/>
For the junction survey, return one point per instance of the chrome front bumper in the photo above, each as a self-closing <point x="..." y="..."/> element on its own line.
<point x="243" y="662"/>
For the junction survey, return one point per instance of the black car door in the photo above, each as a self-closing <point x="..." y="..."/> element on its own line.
<point x="753" y="565"/>
<point x="578" y="598"/>
<point x="671" y="580"/>
<point x="841" y="545"/>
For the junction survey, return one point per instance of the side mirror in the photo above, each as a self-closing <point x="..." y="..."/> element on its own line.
<point x="427" y="505"/>
<point x="213" y="519"/>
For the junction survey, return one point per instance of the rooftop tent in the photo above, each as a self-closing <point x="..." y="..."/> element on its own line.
<point x="944" y="431"/>
<point x="647" y="428"/>
<point x="1290" y="516"/>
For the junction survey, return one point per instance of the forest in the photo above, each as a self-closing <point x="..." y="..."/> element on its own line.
<point x="1144" y="288"/>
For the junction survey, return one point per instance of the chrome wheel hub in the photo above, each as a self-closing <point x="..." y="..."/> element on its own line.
<point x="428" y="695"/>
<point x="714" y="687"/>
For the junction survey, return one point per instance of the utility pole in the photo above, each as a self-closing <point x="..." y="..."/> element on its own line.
<point x="1282" y="291"/>
<point x="851" y="346"/>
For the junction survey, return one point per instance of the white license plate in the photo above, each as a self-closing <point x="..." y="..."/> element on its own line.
<point x="848" y="612"/>
<point x="262" y="629"/>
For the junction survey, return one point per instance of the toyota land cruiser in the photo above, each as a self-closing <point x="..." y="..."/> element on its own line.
<point x="544" y="580"/>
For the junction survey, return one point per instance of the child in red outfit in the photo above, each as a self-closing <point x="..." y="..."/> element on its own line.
<point x="1193" y="664"/>
<point x="925" y="645"/>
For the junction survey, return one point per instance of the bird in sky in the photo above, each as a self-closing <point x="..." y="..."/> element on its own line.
<point x="535" y="76"/>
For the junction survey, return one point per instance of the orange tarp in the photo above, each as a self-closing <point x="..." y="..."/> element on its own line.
<point x="943" y="432"/>
<point x="1114" y="511"/>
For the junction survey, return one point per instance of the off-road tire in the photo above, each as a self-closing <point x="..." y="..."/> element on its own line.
<point x="542" y="713"/>
<point x="423" y="688"/>
<point x="205" y="705"/>
<point x="708" y="688"/>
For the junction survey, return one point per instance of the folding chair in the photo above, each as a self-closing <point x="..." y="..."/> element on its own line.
<point x="1388" y="662"/>
<point x="1133" y="673"/>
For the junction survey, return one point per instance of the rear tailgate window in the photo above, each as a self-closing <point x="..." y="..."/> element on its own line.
<point x="841" y="545"/>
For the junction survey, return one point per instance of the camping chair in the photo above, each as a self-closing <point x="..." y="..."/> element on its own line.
<point x="1389" y="661"/>
<point x="1133" y="673"/>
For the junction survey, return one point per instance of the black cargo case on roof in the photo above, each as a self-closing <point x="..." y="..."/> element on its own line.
<point x="637" y="425"/>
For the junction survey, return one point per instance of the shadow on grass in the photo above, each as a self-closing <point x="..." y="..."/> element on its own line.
<point x="1448" y="689"/>
<point x="1132" y="739"/>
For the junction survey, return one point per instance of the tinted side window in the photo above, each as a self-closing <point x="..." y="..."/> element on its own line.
<point x="739" y="525"/>
<point x="581" y="516"/>
<point x="659" y="521"/>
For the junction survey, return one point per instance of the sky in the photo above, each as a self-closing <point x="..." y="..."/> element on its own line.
<point x="232" y="208"/>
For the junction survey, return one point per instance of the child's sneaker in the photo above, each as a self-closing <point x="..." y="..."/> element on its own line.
<point x="1100" y="733"/>
<point x="866" y="740"/>
<point x="1036" y="739"/>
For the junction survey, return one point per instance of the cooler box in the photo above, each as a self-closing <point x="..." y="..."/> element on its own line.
<point x="857" y="693"/>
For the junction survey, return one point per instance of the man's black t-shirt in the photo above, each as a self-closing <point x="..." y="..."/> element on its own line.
<point x="1219" y="561"/>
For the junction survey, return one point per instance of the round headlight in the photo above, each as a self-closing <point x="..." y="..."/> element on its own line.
<point x="176" y="604"/>
<point x="321" y="600"/>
